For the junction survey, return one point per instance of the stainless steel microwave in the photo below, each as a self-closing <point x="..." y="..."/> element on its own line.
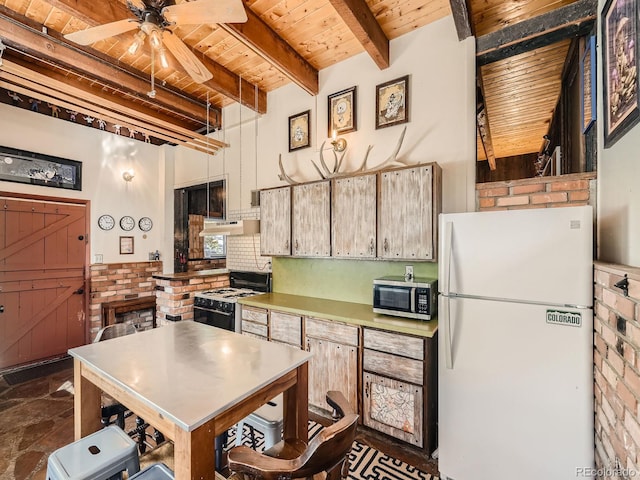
<point x="410" y="299"/>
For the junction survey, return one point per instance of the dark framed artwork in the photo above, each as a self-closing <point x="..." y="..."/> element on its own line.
<point x="126" y="245"/>
<point x="299" y="128"/>
<point x="392" y="102"/>
<point x="342" y="109"/>
<point x="588" y="83"/>
<point x="620" y="62"/>
<point x="37" y="169"/>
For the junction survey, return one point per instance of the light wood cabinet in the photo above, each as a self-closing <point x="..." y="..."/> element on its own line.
<point x="353" y="216"/>
<point x="334" y="365"/>
<point x="275" y="221"/>
<point x="408" y="207"/>
<point x="255" y="322"/>
<point x="286" y="328"/>
<point x="399" y="389"/>
<point x="311" y="220"/>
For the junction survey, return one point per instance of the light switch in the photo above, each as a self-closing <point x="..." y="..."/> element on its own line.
<point x="97" y="258"/>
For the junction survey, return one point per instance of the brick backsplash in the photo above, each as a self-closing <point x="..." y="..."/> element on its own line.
<point x="243" y="251"/>
<point x="111" y="282"/>
<point x="537" y="192"/>
<point x="616" y="359"/>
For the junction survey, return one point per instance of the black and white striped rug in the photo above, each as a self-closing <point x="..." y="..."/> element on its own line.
<point x="367" y="463"/>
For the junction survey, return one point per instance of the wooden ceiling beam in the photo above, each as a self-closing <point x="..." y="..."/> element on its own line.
<point x="53" y="49"/>
<point x="224" y="81"/>
<point x="573" y="20"/>
<point x="263" y="40"/>
<point x="95" y="90"/>
<point x="363" y="24"/>
<point x="460" y="11"/>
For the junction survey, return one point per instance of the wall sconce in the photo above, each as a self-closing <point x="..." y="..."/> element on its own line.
<point x="128" y="175"/>
<point x="339" y="144"/>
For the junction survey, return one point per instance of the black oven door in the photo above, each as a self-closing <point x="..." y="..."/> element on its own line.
<point x="215" y="318"/>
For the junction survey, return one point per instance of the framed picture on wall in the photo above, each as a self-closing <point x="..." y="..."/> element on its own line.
<point x="588" y="83"/>
<point x="126" y="245"/>
<point x="392" y="102"/>
<point x="38" y="169"/>
<point x="299" y="127"/>
<point x="342" y="111"/>
<point x="620" y="63"/>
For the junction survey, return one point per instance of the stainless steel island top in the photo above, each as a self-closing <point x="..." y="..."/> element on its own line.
<point x="191" y="381"/>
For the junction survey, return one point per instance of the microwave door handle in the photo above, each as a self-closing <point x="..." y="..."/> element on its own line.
<point x="446" y="317"/>
<point x="448" y="239"/>
<point x="413" y="300"/>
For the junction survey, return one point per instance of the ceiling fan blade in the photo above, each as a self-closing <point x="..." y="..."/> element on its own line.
<point x="206" y="11"/>
<point x="194" y="67"/>
<point x="95" y="34"/>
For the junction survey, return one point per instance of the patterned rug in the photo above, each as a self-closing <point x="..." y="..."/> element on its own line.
<point x="367" y="463"/>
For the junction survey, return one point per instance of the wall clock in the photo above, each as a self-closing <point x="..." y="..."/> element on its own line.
<point x="145" y="224"/>
<point x="127" y="223"/>
<point x="106" y="222"/>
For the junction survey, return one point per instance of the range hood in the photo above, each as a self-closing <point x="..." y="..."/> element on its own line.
<point x="239" y="227"/>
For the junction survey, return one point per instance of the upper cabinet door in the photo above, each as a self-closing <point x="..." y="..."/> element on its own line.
<point x="275" y="221"/>
<point x="311" y="220"/>
<point x="353" y="210"/>
<point x="407" y="209"/>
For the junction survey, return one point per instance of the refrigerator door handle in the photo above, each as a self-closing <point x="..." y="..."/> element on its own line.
<point x="448" y="238"/>
<point x="446" y="316"/>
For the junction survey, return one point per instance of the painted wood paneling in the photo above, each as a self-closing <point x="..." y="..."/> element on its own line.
<point x="353" y="212"/>
<point x="311" y="220"/>
<point x="275" y="221"/>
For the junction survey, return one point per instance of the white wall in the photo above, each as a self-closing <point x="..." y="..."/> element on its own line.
<point x="441" y="127"/>
<point x="104" y="156"/>
<point x="618" y="188"/>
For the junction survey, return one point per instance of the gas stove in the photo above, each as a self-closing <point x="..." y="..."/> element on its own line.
<point x="217" y="307"/>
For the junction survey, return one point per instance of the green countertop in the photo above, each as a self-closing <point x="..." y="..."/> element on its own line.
<point x="347" y="312"/>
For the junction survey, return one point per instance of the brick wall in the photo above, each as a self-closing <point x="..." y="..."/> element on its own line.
<point x="111" y="282"/>
<point x="617" y="372"/>
<point x="174" y="296"/>
<point x="538" y="192"/>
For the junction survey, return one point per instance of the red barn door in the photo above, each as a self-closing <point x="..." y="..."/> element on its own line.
<point x="43" y="254"/>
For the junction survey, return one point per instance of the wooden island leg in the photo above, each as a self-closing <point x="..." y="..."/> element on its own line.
<point x="86" y="404"/>
<point x="296" y="406"/>
<point x="194" y="453"/>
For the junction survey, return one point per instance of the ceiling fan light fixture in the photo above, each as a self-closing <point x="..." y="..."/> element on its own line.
<point x="162" y="53"/>
<point x="155" y="38"/>
<point x="137" y="42"/>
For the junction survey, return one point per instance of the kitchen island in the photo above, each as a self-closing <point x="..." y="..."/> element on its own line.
<point x="386" y="366"/>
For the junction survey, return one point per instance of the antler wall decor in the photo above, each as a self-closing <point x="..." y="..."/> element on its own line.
<point x="327" y="173"/>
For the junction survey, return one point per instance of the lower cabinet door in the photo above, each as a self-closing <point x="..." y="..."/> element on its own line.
<point x="393" y="407"/>
<point x="332" y="367"/>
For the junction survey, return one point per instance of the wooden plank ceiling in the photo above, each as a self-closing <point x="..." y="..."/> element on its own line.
<point x="283" y="41"/>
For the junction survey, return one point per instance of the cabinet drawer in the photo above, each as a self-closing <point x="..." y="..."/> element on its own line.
<point x="397" y="344"/>
<point x="286" y="327"/>
<point x="394" y="366"/>
<point x="393" y="407"/>
<point x="254" y="314"/>
<point x="255" y="328"/>
<point x="329" y="330"/>
<point x="253" y="335"/>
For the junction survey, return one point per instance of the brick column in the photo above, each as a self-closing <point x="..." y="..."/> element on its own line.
<point x="617" y="372"/>
<point x="174" y="294"/>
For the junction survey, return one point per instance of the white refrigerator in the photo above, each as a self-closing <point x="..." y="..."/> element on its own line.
<point x="515" y="345"/>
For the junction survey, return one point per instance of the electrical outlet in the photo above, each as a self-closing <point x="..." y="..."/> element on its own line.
<point x="97" y="258"/>
<point x="408" y="273"/>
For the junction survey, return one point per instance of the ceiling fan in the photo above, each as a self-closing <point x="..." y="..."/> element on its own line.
<point x="154" y="19"/>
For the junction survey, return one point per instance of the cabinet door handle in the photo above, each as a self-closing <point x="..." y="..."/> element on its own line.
<point x="296" y="245"/>
<point x="366" y="390"/>
<point x="286" y="245"/>
<point x="371" y="246"/>
<point x="386" y="245"/>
